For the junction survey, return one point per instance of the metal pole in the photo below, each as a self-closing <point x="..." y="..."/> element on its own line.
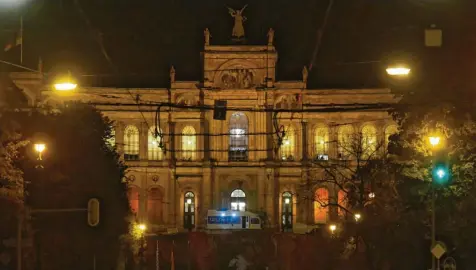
<point x="94" y="262"/>
<point x="19" y="240"/>
<point x="438" y="264"/>
<point x="433" y="226"/>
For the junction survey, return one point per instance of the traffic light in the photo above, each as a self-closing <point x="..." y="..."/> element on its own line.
<point x="441" y="173"/>
<point x="219" y="111"/>
<point x="93" y="212"/>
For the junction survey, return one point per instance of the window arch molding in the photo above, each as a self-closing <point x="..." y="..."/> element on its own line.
<point x="131" y="142"/>
<point x="345" y="137"/>
<point x="321" y="205"/>
<point x="369" y="140"/>
<point x="189" y="143"/>
<point x="238" y="200"/>
<point x="155" y="204"/>
<point x="154" y="152"/>
<point x="238" y="128"/>
<point x="320" y="135"/>
<point x="289" y="147"/>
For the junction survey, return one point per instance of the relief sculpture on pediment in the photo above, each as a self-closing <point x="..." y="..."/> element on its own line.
<point x="237" y="79"/>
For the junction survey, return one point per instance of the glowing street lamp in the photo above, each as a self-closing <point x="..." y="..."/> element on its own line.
<point x="39" y="148"/>
<point x="142" y="227"/>
<point x="66" y="83"/>
<point x="332" y="228"/>
<point x="398" y="71"/>
<point x="434" y="140"/>
<point x="357" y="217"/>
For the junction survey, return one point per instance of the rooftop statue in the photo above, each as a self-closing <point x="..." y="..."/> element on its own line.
<point x="238" y="29"/>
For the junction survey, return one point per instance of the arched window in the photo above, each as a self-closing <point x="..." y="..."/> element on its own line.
<point x="189" y="210"/>
<point x="342" y="201"/>
<point x="238" y="150"/>
<point x="321" y="208"/>
<point x="238" y="200"/>
<point x="154" y="206"/>
<point x="287" y="211"/>
<point x="154" y="151"/>
<point x="133" y="196"/>
<point x="131" y="143"/>
<point x="345" y="141"/>
<point x="389" y="131"/>
<point x="321" y="140"/>
<point x="189" y="143"/>
<point x="288" y="148"/>
<point x="111" y="141"/>
<point x="369" y="141"/>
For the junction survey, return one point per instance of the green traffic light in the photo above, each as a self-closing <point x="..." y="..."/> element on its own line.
<point x="441" y="175"/>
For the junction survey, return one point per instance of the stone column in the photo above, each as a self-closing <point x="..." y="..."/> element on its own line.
<point x="270" y="196"/>
<point x="172" y="198"/>
<point x="143" y="141"/>
<point x="304" y="142"/>
<point x="143" y="197"/>
<point x="261" y="189"/>
<point x="119" y="129"/>
<point x="216" y="192"/>
<point x="206" y="198"/>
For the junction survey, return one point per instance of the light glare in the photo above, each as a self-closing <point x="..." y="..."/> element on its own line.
<point x="66" y="86"/>
<point x="398" y="71"/>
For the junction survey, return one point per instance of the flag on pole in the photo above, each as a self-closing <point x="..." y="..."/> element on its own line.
<point x="17" y="40"/>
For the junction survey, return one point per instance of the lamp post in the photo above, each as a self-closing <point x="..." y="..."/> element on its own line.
<point x="434" y="142"/>
<point x="142" y="228"/>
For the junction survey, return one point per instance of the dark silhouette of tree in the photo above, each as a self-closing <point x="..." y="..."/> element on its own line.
<point x="78" y="164"/>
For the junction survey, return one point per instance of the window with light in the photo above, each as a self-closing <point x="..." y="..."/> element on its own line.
<point x="238" y="141"/>
<point x="154" y="152"/>
<point x="369" y="141"/>
<point x="189" y="210"/>
<point x="321" y="206"/>
<point x="345" y="141"/>
<point x="342" y="201"/>
<point x="287" y="211"/>
<point x="133" y="196"/>
<point x="131" y="143"/>
<point x="321" y="140"/>
<point x="389" y="131"/>
<point x="189" y="143"/>
<point x="238" y="200"/>
<point x="288" y="147"/>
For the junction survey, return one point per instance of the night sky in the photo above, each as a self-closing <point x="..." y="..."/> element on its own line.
<point x="143" y="37"/>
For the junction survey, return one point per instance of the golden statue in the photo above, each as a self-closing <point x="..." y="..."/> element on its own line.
<point x="238" y="29"/>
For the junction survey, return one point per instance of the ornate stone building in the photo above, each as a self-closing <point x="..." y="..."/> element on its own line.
<point x="245" y="162"/>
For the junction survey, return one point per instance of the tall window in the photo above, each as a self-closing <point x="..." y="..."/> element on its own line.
<point x="321" y="208"/>
<point x="288" y="148"/>
<point x="131" y="143"/>
<point x="389" y="131"/>
<point x="154" y="152"/>
<point x="238" y="150"/>
<point x="238" y="200"/>
<point x="342" y="201"/>
<point x="345" y="141"/>
<point x="287" y="211"/>
<point x="133" y="195"/>
<point x="154" y="206"/>
<point x="369" y="141"/>
<point x="321" y="140"/>
<point x="189" y="143"/>
<point x="189" y="210"/>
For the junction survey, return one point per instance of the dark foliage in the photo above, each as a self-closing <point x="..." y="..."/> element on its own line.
<point x="78" y="164"/>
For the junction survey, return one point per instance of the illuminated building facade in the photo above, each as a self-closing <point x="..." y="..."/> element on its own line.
<point x="244" y="162"/>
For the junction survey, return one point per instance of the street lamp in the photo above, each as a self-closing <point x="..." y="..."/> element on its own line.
<point x="39" y="148"/>
<point x="434" y="140"/>
<point x="357" y="217"/>
<point x="398" y="71"/>
<point x="66" y="83"/>
<point x="332" y="228"/>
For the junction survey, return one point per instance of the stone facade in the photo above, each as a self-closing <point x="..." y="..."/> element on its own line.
<point x="203" y="160"/>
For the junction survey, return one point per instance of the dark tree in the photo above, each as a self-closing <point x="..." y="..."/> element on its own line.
<point x="79" y="163"/>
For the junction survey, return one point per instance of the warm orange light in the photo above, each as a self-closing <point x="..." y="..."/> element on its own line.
<point x="434" y="140"/>
<point x="65" y="86"/>
<point x="40" y="147"/>
<point x="398" y="71"/>
<point x="332" y="228"/>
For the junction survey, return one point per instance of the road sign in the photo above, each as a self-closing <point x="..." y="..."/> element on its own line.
<point x="438" y="250"/>
<point x="449" y="264"/>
